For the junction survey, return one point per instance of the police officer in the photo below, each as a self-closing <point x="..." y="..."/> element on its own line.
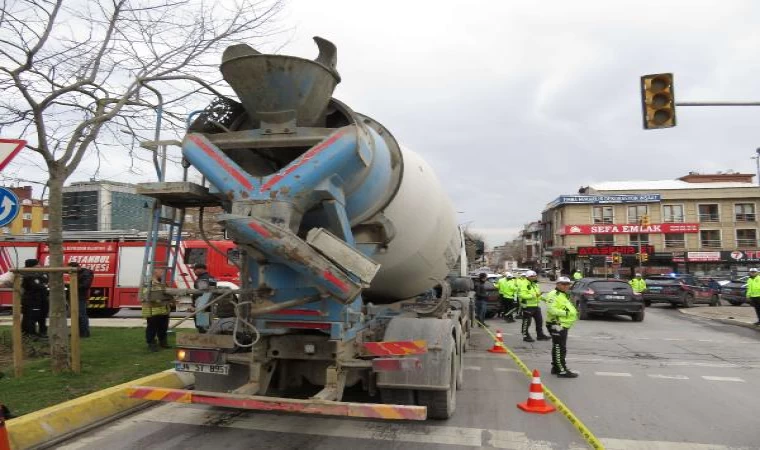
<point x="561" y="315"/>
<point x="577" y="275"/>
<point x="508" y="293"/>
<point x="530" y="295"/>
<point x="753" y="292"/>
<point x="638" y="284"/>
<point x="34" y="301"/>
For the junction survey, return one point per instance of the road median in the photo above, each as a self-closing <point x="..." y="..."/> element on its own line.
<point x="49" y="424"/>
<point x="742" y="316"/>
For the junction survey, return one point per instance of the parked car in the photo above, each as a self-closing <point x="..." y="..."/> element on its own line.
<point x="606" y="296"/>
<point x="684" y="290"/>
<point x="494" y="299"/>
<point x="735" y="291"/>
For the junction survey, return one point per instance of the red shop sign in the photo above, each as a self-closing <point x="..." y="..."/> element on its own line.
<point x="610" y="249"/>
<point x="631" y="229"/>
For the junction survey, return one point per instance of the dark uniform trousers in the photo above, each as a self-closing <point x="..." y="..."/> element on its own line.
<point x="559" y="347"/>
<point x="755" y="301"/>
<point x="529" y="312"/>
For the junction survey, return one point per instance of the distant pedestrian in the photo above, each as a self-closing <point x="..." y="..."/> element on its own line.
<point x="34" y="301"/>
<point x="714" y="285"/>
<point x="84" y="282"/>
<point x="156" y="307"/>
<point x="577" y="275"/>
<point x="753" y="292"/>
<point x="529" y="295"/>
<point x="481" y="298"/>
<point x="561" y="315"/>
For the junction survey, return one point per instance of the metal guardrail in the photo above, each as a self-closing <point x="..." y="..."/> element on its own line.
<point x="705" y="243"/>
<point x="745" y="217"/>
<point x="709" y="217"/>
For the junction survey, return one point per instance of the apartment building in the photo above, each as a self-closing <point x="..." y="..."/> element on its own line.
<point x="33" y="214"/>
<point x="705" y="224"/>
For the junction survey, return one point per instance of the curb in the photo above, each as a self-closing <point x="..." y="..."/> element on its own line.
<point x="726" y="321"/>
<point x="52" y="423"/>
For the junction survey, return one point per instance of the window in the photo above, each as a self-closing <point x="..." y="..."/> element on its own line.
<point x="675" y="240"/>
<point x="195" y="256"/>
<point x="603" y="214"/>
<point x="709" y="238"/>
<point x="44" y="230"/>
<point x="26" y="202"/>
<point x="636" y="212"/>
<point x="746" y="238"/>
<point x="639" y="239"/>
<point x="709" y="213"/>
<point x="744" y="212"/>
<point x="233" y="256"/>
<point x="6" y="230"/>
<point x="26" y="230"/>
<point x="27" y="216"/>
<point x="46" y="217"/>
<point x="672" y="213"/>
<point x="604" y="239"/>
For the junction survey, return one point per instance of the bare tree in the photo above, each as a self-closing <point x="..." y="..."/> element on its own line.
<point x="73" y="74"/>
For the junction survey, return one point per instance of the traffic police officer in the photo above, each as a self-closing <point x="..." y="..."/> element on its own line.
<point x="577" y="275"/>
<point x="638" y="284"/>
<point x="753" y="292"/>
<point x="530" y="294"/>
<point x="506" y="287"/>
<point x="561" y="315"/>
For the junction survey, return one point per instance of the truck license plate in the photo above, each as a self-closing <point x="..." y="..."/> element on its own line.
<point x="217" y="369"/>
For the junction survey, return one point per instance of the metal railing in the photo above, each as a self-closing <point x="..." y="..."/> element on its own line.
<point x="710" y="243"/>
<point x="673" y="219"/>
<point x="603" y="220"/>
<point x="675" y="243"/>
<point x="746" y="242"/>
<point x="709" y="217"/>
<point x="745" y="217"/>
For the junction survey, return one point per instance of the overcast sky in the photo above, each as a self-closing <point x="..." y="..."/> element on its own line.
<point x="515" y="103"/>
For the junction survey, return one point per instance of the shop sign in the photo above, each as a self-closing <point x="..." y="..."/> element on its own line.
<point x="603" y="199"/>
<point x="703" y="256"/>
<point x="665" y="228"/>
<point x="741" y="256"/>
<point x="610" y="249"/>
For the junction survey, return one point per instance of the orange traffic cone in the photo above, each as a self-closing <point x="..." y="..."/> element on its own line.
<point x="5" y="442"/>
<point x="498" y="344"/>
<point x="536" y="403"/>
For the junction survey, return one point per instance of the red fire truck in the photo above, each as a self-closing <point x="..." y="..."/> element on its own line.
<point x="117" y="262"/>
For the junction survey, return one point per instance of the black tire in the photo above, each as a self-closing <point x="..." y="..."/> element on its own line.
<point x="582" y="311"/>
<point x="397" y="396"/>
<point x="736" y="303"/>
<point x="638" y="317"/>
<point x="715" y="301"/>
<point x="442" y="404"/>
<point x="688" y="301"/>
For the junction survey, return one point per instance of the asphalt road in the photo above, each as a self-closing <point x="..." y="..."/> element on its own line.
<point x="670" y="382"/>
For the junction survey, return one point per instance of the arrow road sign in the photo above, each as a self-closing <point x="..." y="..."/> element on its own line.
<point x="9" y="206"/>
<point x="8" y="150"/>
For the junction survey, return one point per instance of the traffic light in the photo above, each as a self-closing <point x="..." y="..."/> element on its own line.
<point x="643" y="257"/>
<point x="645" y="220"/>
<point x="658" y="102"/>
<point x="480" y="248"/>
<point x="617" y="258"/>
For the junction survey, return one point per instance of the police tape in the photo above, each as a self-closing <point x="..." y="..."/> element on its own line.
<point x="585" y="433"/>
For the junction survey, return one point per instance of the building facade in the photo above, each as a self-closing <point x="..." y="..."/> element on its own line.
<point x="32" y="217"/>
<point x="702" y="224"/>
<point x="105" y="206"/>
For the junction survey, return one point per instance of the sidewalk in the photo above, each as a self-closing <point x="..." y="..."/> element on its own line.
<point x="743" y="316"/>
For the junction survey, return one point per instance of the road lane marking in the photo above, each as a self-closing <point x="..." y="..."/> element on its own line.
<point x="471" y="367"/>
<point x="643" y="338"/>
<point x="707" y="340"/>
<point x="734" y="379"/>
<point x="699" y="364"/>
<point x="613" y="374"/>
<point x="674" y="339"/>
<point x="607" y="338"/>
<point x="505" y="369"/>
<point x="668" y="377"/>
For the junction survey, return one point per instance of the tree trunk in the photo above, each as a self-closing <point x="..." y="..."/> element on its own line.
<point x="59" y="330"/>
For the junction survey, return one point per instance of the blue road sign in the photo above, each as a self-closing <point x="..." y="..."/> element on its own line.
<point x="9" y="206"/>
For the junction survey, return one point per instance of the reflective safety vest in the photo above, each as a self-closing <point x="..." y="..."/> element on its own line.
<point x="561" y="310"/>
<point x="638" y="285"/>
<point x="577" y="276"/>
<point x="510" y="288"/>
<point x="753" y="286"/>
<point x="529" y="293"/>
<point x="550" y="296"/>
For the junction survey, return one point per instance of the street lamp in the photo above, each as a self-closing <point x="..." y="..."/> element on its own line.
<point x="757" y="163"/>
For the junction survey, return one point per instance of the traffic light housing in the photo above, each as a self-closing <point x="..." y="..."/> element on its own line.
<point x="658" y="101"/>
<point x="643" y="257"/>
<point x="617" y="258"/>
<point x="645" y="220"/>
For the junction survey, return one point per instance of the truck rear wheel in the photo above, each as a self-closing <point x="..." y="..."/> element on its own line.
<point x="442" y="404"/>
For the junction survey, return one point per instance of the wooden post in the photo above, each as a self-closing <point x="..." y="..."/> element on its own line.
<point x="18" y="344"/>
<point x="76" y="362"/>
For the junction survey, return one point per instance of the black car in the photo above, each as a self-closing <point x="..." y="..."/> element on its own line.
<point x="684" y="290"/>
<point x="606" y="296"/>
<point x="735" y="291"/>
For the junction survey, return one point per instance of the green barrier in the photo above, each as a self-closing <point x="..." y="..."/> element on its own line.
<point x="586" y="434"/>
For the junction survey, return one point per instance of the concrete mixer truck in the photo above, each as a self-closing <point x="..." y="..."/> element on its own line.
<point x="353" y="271"/>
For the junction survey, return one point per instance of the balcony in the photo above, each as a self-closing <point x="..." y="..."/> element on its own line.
<point x="710" y="243"/>
<point x="673" y="219"/>
<point x="744" y="243"/>
<point x="709" y="217"/>
<point x="675" y="243"/>
<point x="602" y="220"/>
<point x="745" y="217"/>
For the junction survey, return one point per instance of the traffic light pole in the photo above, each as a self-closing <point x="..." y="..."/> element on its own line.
<point x="717" y="103"/>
